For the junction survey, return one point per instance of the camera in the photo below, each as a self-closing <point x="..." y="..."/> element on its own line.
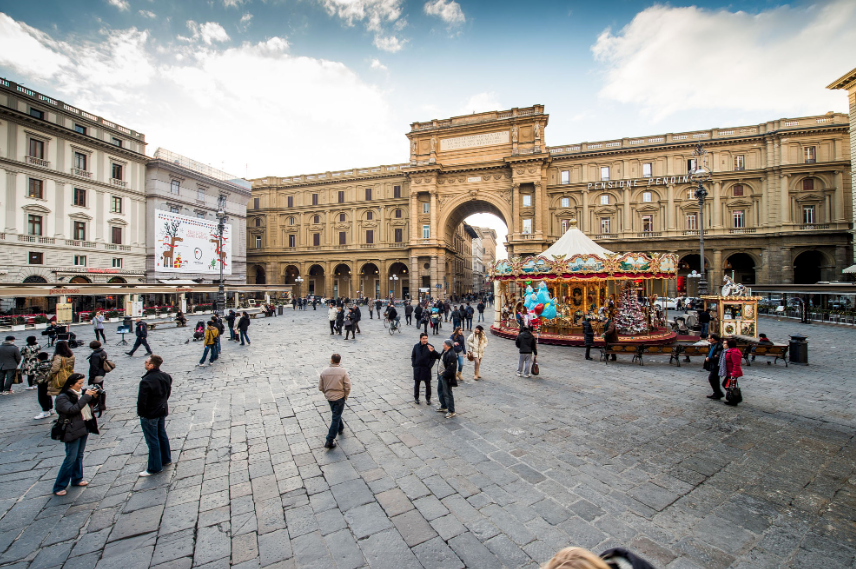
<point x="97" y="388"/>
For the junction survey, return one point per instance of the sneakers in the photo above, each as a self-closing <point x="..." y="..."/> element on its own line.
<point x="30" y="388"/>
<point x="527" y="375"/>
<point x="450" y="415"/>
<point x="442" y="410"/>
<point x="202" y="365"/>
<point x="42" y="415"/>
<point x="145" y="473"/>
<point x="518" y="374"/>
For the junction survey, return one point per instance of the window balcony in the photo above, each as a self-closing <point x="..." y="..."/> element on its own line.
<point x="76" y="243"/>
<point x="81" y="173"/>
<point x="741" y="230"/>
<point x="117" y="182"/>
<point x="813" y="226"/>
<point x="368" y="245"/>
<point x="605" y="236"/>
<point x="32" y="160"/>
<point x="116" y="247"/>
<point x="691" y="232"/>
<point x="650" y="234"/>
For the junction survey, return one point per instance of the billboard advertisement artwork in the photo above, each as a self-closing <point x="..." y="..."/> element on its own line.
<point x="190" y="245"/>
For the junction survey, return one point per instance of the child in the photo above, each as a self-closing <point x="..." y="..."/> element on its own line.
<point x="43" y="372"/>
<point x="30" y="353"/>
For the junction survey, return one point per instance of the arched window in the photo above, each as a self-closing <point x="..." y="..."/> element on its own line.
<point x="258" y="222"/>
<point x="316" y="219"/>
<point x="398" y="213"/>
<point x="368" y="216"/>
<point x="604" y="199"/>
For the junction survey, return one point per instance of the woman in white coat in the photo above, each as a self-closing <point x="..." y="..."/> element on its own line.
<point x="476" y="344"/>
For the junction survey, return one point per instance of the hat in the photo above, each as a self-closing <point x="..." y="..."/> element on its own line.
<point x="10" y="338"/>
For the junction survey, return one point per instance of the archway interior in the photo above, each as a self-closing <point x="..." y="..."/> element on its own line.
<point x="466" y="210"/>
<point x="807" y="267"/>
<point x="743" y="267"/>
<point x="370" y="280"/>
<point x="315" y="283"/>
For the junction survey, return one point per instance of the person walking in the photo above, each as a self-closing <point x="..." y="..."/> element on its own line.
<point x="142" y="333"/>
<point x="704" y="320"/>
<point x="436" y="317"/>
<point x="447" y="309"/>
<point x="349" y="324"/>
<point x="43" y="373"/>
<point x="152" y="409"/>
<point x="340" y="319"/>
<point x="370" y="306"/>
<point x="417" y="314"/>
<point x="733" y="368"/>
<point x="446" y="380"/>
<point x="210" y="345"/>
<point x="459" y="345"/>
<point x="588" y="336"/>
<point x="480" y="308"/>
<point x="336" y="386"/>
<point x="477" y="342"/>
<point x="610" y="334"/>
<point x="527" y="346"/>
<point x="424" y="321"/>
<point x="331" y="316"/>
<point x="72" y="405"/>
<point x="468" y="316"/>
<point x="243" y="325"/>
<point x="712" y="364"/>
<point x="408" y="314"/>
<point x="98" y="326"/>
<point x="378" y="305"/>
<point x="230" y="320"/>
<point x="358" y="315"/>
<point x="456" y="318"/>
<point x="30" y="355"/>
<point x="422" y="359"/>
<point x="10" y="359"/>
<point x="221" y="329"/>
<point x="96" y="363"/>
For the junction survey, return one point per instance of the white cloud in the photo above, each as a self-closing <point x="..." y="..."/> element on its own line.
<point x="481" y="102"/>
<point x="29" y="51"/>
<point x="148" y="14"/>
<point x="245" y="22"/>
<point x="232" y="3"/>
<point x="389" y="43"/>
<point x="376" y="64"/>
<point x="377" y="14"/>
<point x="209" y="32"/>
<point x="674" y="59"/>
<point x="447" y="10"/>
<point x="121" y="4"/>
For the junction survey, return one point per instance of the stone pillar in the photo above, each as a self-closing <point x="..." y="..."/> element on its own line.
<point x="99" y="217"/>
<point x="381" y="227"/>
<point x="415" y="278"/>
<point x="838" y="214"/>
<point x="840" y="261"/>
<point x="414" y="219"/>
<point x="670" y="211"/>
<point x="762" y="273"/>
<point x="515" y="210"/>
<point x="434" y="229"/>
<point x="628" y="222"/>
<point x="784" y="200"/>
<point x="716" y="271"/>
<point x="329" y="277"/>
<point x="717" y="205"/>
<point x="787" y="266"/>
<point x="434" y="282"/>
<point x="59" y="212"/>
<point x="583" y="223"/>
<point x="11" y="205"/>
<point x="539" y="204"/>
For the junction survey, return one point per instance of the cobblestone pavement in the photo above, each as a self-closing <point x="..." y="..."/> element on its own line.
<point x="584" y="455"/>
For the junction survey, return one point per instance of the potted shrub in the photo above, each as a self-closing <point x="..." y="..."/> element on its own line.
<point x="150" y="311"/>
<point x="113" y="316"/>
<point x="41" y="322"/>
<point x="18" y="324"/>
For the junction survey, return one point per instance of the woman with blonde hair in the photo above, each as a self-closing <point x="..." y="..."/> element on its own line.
<point x="477" y="342"/>
<point x="579" y="558"/>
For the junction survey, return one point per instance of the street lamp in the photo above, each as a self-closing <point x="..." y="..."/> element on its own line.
<point x="393" y="278"/>
<point x="298" y="280"/>
<point x="221" y="291"/>
<point x="700" y="175"/>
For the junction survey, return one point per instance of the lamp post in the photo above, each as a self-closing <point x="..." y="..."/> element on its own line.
<point x="221" y="291"/>
<point x="393" y="279"/>
<point x="700" y="175"/>
<point x="298" y="280"/>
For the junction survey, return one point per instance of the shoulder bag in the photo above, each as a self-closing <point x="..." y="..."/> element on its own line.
<point x="536" y="369"/>
<point x="62" y="375"/>
<point x="58" y="428"/>
<point x="470" y="356"/>
<point x="733" y="395"/>
<point x="108" y="366"/>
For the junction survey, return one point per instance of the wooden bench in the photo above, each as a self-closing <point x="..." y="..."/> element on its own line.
<point x="653" y="349"/>
<point x="688" y="351"/>
<point x="621" y="349"/>
<point x="776" y="351"/>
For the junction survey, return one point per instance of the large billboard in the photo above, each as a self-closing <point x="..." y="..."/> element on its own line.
<point x="190" y="245"/>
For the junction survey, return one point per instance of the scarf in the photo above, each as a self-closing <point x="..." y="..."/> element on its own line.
<point x="85" y="412"/>
<point x="723" y="370"/>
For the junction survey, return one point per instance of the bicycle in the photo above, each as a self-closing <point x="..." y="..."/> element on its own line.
<point x="385" y="322"/>
<point x="394" y="327"/>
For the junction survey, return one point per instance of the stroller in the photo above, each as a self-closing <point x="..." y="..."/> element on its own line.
<point x="199" y="331"/>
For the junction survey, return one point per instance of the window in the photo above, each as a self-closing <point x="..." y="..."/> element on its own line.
<point x="738" y="191"/>
<point x="368" y="194"/>
<point x="527" y="226"/>
<point x="35" y="189"/>
<point x="604" y="173"/>
<point x="396" y="191"/>
<point x="398" y="214"/>
<point x="316" y="239"/>
<point x="691" y="165"/>
<point x="221" y="202"/>
<point x="604" y="199"/>
<point x="341" y="197"/>
<point x="647" y="170"/>
<point x="566" y="202"/>
<point x="116" y="235"/>
<point x="370" y="236"/>
<point x="80" y="197"/>
<point x="117" y="171"/>
<point x="292" y="239"/>
<point x="200" y="215"/>
<point x="117" y="263"/>
<point x="647" y="223"/>
<point x="115" y="204"/>
<point x="255" y="203"/>
<point x="79" y="231"/>
<point x="80" y="160"/>
<point x="426" y="207"/>
<point x="200" y="194"/>
<point x="566" y="224"/>
<point x="369" y="216"/>
<point x="604" y="225"/>
<point x="258" y="222"/>
<point x="258" y="241"/>
<point x="808" y="184"/>
<point x="810" y="154"/>
<point x="34" y="225"/>
<point x="79" y="128"/>
<point x="80" y="260"/>
<point x="343" y="238"/>
<point x="399" y="235"/>
<point x="316" y="219"/>
<point x="341" y="217"/>
<point x="290" y="201"/>
<point x="691" y="194"/>
<point x="646" y="197"/>
<point x="37" y="149"/>
<point x="174" y="209"/>
<point x="739" y="162"/>
<point x="426" y="232"/>
<point x="314" y="199"/>
<point x="36" y="259"/>
<point x="116" y="142"/>
<point x="739" y="218"/>
<point x="808" y="214"/>
<point x="291" y="220"/>
<point x="527" y="200"/>
<point x="37" y="113"/>
<point x="174" y="187"/>
<point x="566" y="176"/>
<point x="692" y="222"/>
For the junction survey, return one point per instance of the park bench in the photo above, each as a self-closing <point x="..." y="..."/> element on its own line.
<point x="776" y="351"/>
<point x="621" y="349"/>
<point x="688" y="351"/>
<point x="653" y="349"/>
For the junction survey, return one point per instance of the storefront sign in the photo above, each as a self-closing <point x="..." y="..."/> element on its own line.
<point x="475" y="140"/>
<point x="190" y="245"/>
<point x="644" y="182"/>
<point x="63" y="291"/>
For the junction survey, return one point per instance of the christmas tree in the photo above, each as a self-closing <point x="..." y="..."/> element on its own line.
<point x="630" y="319"/>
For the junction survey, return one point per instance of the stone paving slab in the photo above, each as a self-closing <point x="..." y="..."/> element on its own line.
<point x="583" y="454"/>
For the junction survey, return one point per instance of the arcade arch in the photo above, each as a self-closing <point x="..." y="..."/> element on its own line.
<point x="342" y="281"/>
<point x="743" y="266"/>
<point x="315" y="282"/>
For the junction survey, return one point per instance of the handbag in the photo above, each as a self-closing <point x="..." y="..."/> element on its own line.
<point x="58" y="429"/>
<point x="19" y="376"/>
<point x="470" y="356"/>
<point x="733" y="395"/>
<point x="536" y="369"/>
<point x="108" y="366"/>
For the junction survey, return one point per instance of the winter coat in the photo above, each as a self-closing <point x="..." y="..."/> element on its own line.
<point x="211" y="334"/>
<point x="448" y="367"/>
<point x="408" y="309"/>
<point x="98" y="322"/>
<point x="142" y="330"/>
<point x="480" y="307"/>
<point x="477" y="348"/>
<point x="230" y="320"/>
<point x="610" y="334"/>
<point x="357" y="314"/>
<point x="68" y="406"/>
<point x="417" y="312"/>
<point x="422" y="360"/>
<point x="526" y="343"/>
<point x="30" y="355"/>
<point x="56" y="365"/>
<point x="461" y="348"/>
<point x="732" y="362"/>
<point x="332" y="313"/>
<point x="155" y="389"/>
<point x="96" y="363"/>
<point x="588" y="333"/>
<point x="469" y="312"/>
<point x="244" y="323"/>
<point x="713" y="356"/>
<point x="340" y="317"/>
<point x="10" y="356"/>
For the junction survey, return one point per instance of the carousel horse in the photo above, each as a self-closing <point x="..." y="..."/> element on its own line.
<point x="731" y="288"/>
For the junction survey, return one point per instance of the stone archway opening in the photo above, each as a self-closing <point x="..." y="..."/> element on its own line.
<point x="370" y="281"/>
<point x="743" y="266"/>
<point x="342" y="281"/>
<point x="687" y="285"/>
<point x="398" y="281"/>
<point x="259" y="275"/>
<point x="315" y="282"/>
<point x="808" y="267"/>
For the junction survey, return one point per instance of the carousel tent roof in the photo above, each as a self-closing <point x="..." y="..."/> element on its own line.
<point x="575" y="242"/>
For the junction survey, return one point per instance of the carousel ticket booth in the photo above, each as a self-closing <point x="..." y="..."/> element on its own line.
<point x="735" y="315"/>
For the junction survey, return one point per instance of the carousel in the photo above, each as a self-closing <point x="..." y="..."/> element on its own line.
<point x="576" y="279"/>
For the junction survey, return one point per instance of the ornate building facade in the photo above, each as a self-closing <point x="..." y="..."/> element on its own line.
<point x="779" y="206"/>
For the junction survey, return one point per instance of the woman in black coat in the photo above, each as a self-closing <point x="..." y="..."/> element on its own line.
<point x="588" y="336"/>
<point x="243" y="325"/>
<point x="711" y="363"/>
<point x="72" y="405"/>
<point x="417" y="312"/>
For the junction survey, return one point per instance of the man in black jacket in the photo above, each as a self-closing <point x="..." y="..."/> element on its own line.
<point x="408" y="314"/>
<point x="142" y="332"/>
<point x="446" y="380"/>
<point x="422" y="359"/>
<point x="468" y="316"/>
<point x="417" y="312"/>
<point x="588" y="336"/>
<point x="230" y="320"/>
<point x="152" y="408"/>
<point x="527" y="346"/>
<point x="480" y="308"/>
<point x="357" y="317"/>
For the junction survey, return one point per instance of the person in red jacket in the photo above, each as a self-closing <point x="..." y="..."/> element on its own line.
<point x="733" y="355"/>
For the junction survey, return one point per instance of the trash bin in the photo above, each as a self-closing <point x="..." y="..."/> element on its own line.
<point x="279" y="309"/>
<point x="798" y="350"/>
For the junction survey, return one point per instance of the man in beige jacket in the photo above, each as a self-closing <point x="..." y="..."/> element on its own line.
<point x="336" y="386"/>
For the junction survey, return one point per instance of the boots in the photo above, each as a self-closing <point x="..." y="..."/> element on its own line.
<point x="458" y="377"/>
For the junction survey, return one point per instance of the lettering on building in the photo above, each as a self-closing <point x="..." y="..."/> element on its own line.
<point x="475" y="140"/>
<point x="637" y="183"/>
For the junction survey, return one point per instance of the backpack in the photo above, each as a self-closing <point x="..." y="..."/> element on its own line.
<point x="62" y="375"/>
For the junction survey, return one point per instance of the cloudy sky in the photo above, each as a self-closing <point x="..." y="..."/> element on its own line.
<point x="283" y="87"/>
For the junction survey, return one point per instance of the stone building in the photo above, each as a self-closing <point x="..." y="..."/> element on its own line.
<point x="179" y="185"/>
<point x="73" y="194"/>
<point x="779" y="206"/>
<point x="847" y="82"/>
<point x="478" y="261"/>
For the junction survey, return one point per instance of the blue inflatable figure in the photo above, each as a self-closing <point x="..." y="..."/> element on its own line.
<point x="529" y="299"/>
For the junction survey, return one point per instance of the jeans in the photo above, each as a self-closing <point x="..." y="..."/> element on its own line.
<point x="213" y="350"/>
<point x="244" y="337"/>
<point x="100" y="331"/>
<point x="455" y="323"/>
<point x="524" y="361"/>
<point x="44" y="399"/>
<point x="481" y="317"/>
<point x="336" y="425"/>
<point x="232" y="334"/>
<point x="704" y="329"/>
<point x="72" y="467"/>
<point x="8" y="376"/>
<point x="444" y="393"/>
<point x="216" y="348"/>
<point x="144" y="342"/>
<point x="469" y="323"/>
<point x="154" y="431"/>
<point x="461" y="361"/>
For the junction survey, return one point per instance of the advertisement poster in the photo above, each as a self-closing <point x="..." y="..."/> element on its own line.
<point x="63" y="313"/>
<point x="190" y="245"/>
